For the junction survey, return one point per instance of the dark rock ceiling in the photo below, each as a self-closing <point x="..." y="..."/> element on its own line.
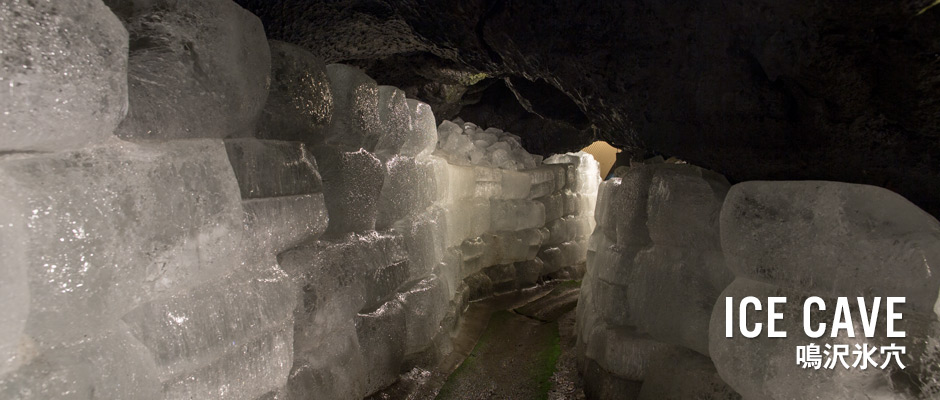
<point x="832" y="90"/>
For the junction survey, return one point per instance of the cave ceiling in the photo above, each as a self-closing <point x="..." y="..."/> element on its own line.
<point x="846" y="91"/>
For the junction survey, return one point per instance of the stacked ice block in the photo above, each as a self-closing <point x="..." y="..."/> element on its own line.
<point x="259" y="224"/>
<point x="829" y="239"/>
<point x="655" y="270"/>
<point x="384" y="288"/>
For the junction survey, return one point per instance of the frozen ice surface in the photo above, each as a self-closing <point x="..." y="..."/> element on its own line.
<point x="604" y="214"/>
<point x="49" y="376"/>
<point x="624" y="352"/>
<point x="513" y="246"/>
<point x="609" y="305"/>
<point x="657" y="274"/>
<point x="514" y="215"/>
<point x="269" y="168"/>
<point x="529" y="271"/>
<point x="422" y="137"/>
<point x="448" y="271"/>
<point x="213" y="45"/>
<point x="247" y="370"/>
<point x="503" y="277"/>
<point x="448" y="128"/>
<point x="382" y="337"/>
<point x="764" y="367"/>
<point x="477" y="253"/>
<point x="580" y="204"/>
<point x="355" y="123"/>
<point x="281" y="185"/>
<point x="185" y="332"/>
<point x="14" y="287"/>
<point x="113" y="366"/>
<point x="479" y="286"/>
<point x="833" y="239"/>
<point x="395" y="118"/>
<point x="64" y="73"/>
<point x="108" y="228"/>
<point x="409" y="189"/>
<point x="568" y="228"/>
<point x="277" y="223"/>
<point x="514" y="185"/>
<point x="563" y="255"/>
<point x="340" y="278"/>
<point x="454" y="182"/>
<point x="583" y="172"/>
<point x="683" y="207"/>
<point x="657" y="234"/>
<point x="352" y="183"/>
<point x="425" y="305"/>
<point x="300" y="103"/>
<point x="622" y="210"/>
<point x="331" y="369"/>
<point x="470" y="145"/>
<point x="466" y="219"/>
<point x="424" y="237"/>
<point x="554" y="206"/>
<point x="501" y="184"/>
<point x="546" y="179"/>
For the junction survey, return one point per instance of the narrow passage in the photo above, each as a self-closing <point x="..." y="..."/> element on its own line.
<point x="512" y="346"/>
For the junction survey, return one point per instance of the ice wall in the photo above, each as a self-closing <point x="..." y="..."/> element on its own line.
<point x="655" y="270"/>
<point x="672" y="241"/>
<point x="830" y="239"/>
<point x="256" y="225"/>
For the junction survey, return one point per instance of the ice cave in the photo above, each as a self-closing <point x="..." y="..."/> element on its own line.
<point x="470" y="199"/>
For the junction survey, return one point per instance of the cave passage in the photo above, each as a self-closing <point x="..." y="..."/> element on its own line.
<point x="196" y="205"/>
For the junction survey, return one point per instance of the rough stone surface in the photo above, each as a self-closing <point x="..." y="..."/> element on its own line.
<point x="751" y="89"/>
<point x="63" y="71"/>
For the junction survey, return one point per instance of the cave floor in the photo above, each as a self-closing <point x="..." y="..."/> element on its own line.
<point x="512" y="346"/>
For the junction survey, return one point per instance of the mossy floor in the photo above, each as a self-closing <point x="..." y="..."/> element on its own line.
<point x="514" y="359"/>
<point x="513" y="346"/>
<point x="516" y="355"/>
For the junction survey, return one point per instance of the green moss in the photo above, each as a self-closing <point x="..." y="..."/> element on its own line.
<point x="503" y="337"/>
<point x="929" y="7"/>
<point x="572" y="284"/>
<point x="546" y="362"/>
<point x="474" y="79"/>
<point x="492" y="328"/>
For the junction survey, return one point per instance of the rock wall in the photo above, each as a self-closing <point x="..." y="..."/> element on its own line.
<point x="673" y="241"/>
<point x="258" y="224"/>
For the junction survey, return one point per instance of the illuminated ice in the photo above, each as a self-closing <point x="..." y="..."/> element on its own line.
<point x="351" y="187"/>
<point x="470" y="145"/>
<point x="766" y="367"/>
<point x="396" y="121"/>
<point x="108" y="228"/>
<point x="300" y="103"/>
<point x="64" y="74"/>
<point x="355" y="123"/>
<point x="409" y="189"/>
<point x="834" y="239"/>
<point x="213" y="45"/>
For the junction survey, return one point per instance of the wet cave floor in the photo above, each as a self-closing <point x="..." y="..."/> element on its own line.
<point x="512" y="346"/>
